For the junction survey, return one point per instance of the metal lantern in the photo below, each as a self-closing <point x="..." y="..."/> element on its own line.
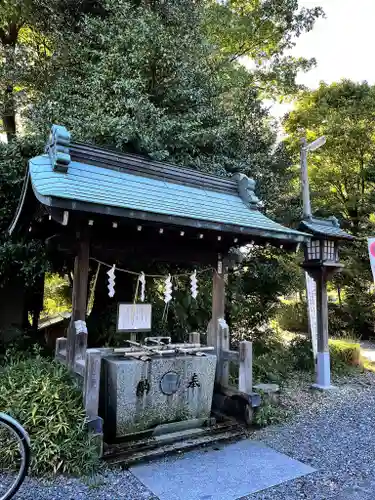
<point x="322" y="250"/>
<point x="321" y="262"/>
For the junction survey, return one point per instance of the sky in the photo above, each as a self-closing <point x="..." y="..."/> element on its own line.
<point x="343" y="43"/>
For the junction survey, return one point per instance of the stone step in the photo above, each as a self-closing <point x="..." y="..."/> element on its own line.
<point x="128" y="459"/>
<point x="130" y="453"/>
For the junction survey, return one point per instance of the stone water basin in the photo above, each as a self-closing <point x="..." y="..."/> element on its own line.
<point x="138" y="396"/>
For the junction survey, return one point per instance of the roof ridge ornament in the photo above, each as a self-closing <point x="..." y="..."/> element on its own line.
<point x="57" y="148"/>
<point x="246" y="190"/>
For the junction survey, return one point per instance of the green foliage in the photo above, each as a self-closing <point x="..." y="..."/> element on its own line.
<point x="344" y="354"/>
<point x="27" y="35"/>
<point x="141" y="80"/>
<point x="23" y="260"/>
<point x="57" y="295"/>
<point x="269" y="414"/>
<point x="274" y="359"/>
<point x="292" y="316"/>
<point x="301" y="353"/>
<point x="261" y="32"/>
<point x="13" y="164"/>
<point x="342" y="180"/>
<point x="43" y="396"/>
<point x="183" y="314"/>
<point x="271" y="358"/>
<point x="253" y="295"/>
<point x="18" y="258"/>
<point x="342" y="171"/>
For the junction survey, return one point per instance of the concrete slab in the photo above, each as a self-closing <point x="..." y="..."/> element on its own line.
<point x="219" y="473"/>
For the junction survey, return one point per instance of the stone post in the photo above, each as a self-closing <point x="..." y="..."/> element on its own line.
<point x="194" y="338"/>
<point x="91" y="383"/>
<point x="245" y="383"/>
<point x="59" y="348"/>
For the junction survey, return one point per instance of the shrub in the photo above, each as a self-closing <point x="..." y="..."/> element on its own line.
<point x="276" y="360"/>
<point x="344" y="354"/>
<point x="43" y="396"/>
<point x="268" y="414"/>
<point x="292" y="316"/>
<point x="271" y="367"/>
<point x="301" y="354"/>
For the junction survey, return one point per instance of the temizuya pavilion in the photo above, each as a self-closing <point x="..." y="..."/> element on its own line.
<point x="102" y="204"/>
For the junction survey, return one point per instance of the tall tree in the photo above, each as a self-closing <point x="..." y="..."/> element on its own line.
<point x="164" y="78"/>
<point x="342" y="172"/>
<point x="342" y="177"/>
<point x="261" y="33"/>
<point x="142" y="80"/>
<point x="27" y="29"/>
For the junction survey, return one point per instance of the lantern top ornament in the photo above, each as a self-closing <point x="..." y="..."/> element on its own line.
<point x="328" y="228"/>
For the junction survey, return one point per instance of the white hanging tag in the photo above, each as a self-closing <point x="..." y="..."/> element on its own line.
<point x="142" y="280"/>
<point x="194" y="285"/>
<point x="168" y="289"/>
<point x="111" y="281"/>
<point x="80" y="326"/>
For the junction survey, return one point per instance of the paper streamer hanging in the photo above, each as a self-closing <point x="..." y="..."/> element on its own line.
<point x="111" y="281"/>
<point x="168" y="289"/>
<point x="142" y="280"/>
<point x="194" y="285"/>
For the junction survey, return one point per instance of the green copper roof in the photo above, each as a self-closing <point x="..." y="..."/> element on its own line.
<point x="325" y="227"/>
<point x="84" y="177"/>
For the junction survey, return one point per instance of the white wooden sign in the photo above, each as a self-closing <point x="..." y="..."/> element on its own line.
<point x="371" y="251"/>
<point x="312" y="312"/>
<point x="134" y="318"/>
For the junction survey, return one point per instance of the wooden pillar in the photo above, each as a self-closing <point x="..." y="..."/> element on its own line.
<point x="79" y="297"/>
<point x="218" y="331"/>
<point x="218" y="304"/>
<point x="322" y="310"/>
<point x="323" y="372"/>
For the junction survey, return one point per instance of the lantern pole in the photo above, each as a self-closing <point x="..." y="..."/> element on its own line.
<point x="316" y="286"/>
<point x="305" y="148"/>
<point x="305" y="181"/>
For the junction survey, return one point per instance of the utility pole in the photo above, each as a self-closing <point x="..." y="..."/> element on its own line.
<point x="305" y="180"/>
<point x="305" y="148"/>
<point x="311" y="295"/>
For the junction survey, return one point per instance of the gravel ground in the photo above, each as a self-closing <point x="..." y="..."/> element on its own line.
<point x="332" y="432"/>
<point x="111" y="485"/>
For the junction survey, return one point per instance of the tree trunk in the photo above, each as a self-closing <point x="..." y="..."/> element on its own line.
<point x="9" y="40"/>
<point x="339" y="295"/>
<point x="9" y="114"/>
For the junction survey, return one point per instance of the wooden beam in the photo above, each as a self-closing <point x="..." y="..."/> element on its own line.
<point x="79" y="296"/>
